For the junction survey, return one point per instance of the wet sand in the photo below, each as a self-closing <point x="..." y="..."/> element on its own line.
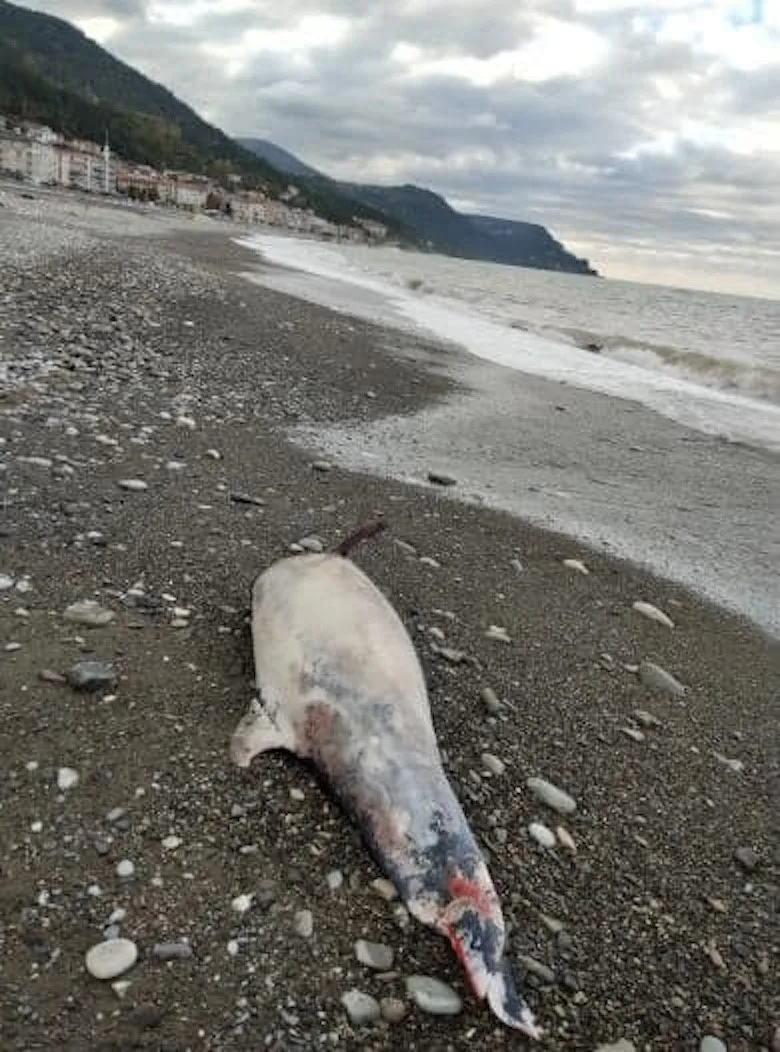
<point x="147" y="358"/>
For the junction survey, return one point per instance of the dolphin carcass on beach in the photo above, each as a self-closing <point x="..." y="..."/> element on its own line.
<point x="340" y="685"/>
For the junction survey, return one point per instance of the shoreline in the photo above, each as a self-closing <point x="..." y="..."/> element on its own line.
<point x="693" y="508"/>
<point x="142" y="359"/>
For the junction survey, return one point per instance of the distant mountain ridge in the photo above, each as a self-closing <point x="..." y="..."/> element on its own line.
<point x="435" y="223"/>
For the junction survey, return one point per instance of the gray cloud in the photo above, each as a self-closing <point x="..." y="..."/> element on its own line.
<point x="562" y="151"/>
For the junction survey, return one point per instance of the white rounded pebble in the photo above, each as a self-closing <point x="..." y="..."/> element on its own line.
<point x="133" y="485"/>
<point x="542" y="835"/>
<point x="125" y="869"/>
<point x="170" y="843"/>
<point x="492" y="764"/>
<point x="108" y="959"/>
<point x="576" y="564"/>
<point x="653" y="613"/>
<point x="303" y="923"/>
<point x="67" y="778"/>
<point x="712" y="1044"/>
<point x="241" y="903"/>
<point x="551" y="795"/>
<point x="6" y="582"/>
<point x="232" y="948"/>
<point x="433" y="996"/>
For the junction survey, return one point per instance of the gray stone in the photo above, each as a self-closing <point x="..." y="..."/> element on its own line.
<point x="91" y="675"/>
<point x="541" y="971"/>
<point x="551" y="795"/>
<point x="303" y="923"/>
<point x="88" y="612"/>
<point x="311" y="544"/>
<point x="374" y="955"/>
<point x="493" y="764"/>
<point x="172" y="951"/>
<point x="133" y="485"/>
<point x="747" y="858"/>
<point x="656" y="678"/>
<point x="491" y="701"/>
<point x="433" y="996"/>
<point x="361" y="1008"/>
<point x="111" y="958"/>
<point x="623" y="1045"/>
<point x="438" y="478"/>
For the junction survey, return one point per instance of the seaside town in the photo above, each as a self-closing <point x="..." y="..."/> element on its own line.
<point x="37" y="155"/>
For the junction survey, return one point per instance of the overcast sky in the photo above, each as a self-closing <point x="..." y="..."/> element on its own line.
<point x="644" y="133"/>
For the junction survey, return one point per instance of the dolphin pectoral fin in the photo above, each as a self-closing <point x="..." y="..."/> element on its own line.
<point x="259" y="732"/>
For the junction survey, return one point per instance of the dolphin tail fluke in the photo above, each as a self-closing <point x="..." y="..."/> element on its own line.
<point x="478" y="941"/>
<point x="508" y="1005"/>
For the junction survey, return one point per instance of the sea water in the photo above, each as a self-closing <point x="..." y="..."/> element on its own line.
<point x="667" y="451"/>
<point x="708" y="361"/>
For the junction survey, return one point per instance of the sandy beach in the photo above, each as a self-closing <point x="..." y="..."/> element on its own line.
<point x="148" y="392"/>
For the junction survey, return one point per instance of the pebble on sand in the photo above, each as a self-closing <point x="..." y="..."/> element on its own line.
<point x="576" y="564"/>
<point x="551" y="795"/>
<point x="361" y="1008"/>
<point x="111" y="958"/>
<point x="747" y="858"/>
<point x="172" y="951"/>
<point x="88" y="612"/>
<point x="393" y="1009"/>
<point x="241" y="903"/>
<point x="492" y="764"/>
<point x="498" y="633"/>
<point x="438" y="478"/>
<point x="712" y="1044"/>
<point x="374" y="955"/>
<point x="90" y="675"/>
<point x="491" y="701"/>
<point x="133" y="485"/>
<point x="542" y="835"/>
<point x="433" y="996"/>
<point x="67" y="778"/>
<point x="656" y="678"/>
<point x="385" y="888"/>
<point x="566" y="839"/>
<point x="303" y="924"/>
<point x="653" y="613"/>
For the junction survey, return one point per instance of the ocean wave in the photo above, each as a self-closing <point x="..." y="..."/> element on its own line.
<point x="720" y="373"/>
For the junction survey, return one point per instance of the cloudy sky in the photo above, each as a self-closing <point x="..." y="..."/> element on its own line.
<point x="644" y="133"/>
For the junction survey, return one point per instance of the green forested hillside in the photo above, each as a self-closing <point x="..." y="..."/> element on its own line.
<point x="52" y="73"/>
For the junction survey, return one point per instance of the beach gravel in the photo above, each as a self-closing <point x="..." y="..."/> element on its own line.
<point x="129" y="343"/>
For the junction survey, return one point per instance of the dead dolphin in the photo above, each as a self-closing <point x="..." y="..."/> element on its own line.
<point x="341" y="685"/>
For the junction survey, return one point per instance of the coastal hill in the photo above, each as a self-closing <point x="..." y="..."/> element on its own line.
<point x="51" y="73"/>
<point x="439" y="226"/>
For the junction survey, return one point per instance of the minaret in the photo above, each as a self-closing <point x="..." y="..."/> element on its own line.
<point x="106" y="164"/>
